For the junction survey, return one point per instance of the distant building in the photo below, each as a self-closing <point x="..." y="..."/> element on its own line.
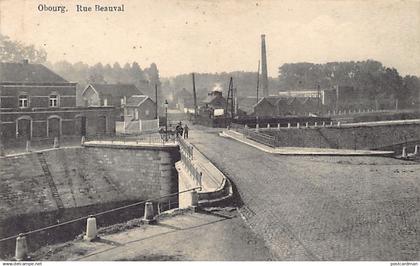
<point x="303" y="93"/>
<point x="139" y="116"/>
<point x="114" y="95"/>
<point x="36" y="103"/>
<point x="246" y="104"/>
<point x="267" y="106"/>
<point x="139" y="107"/>
<point x="283" y="106"/>
<point x="184" y="101"/>
<point x="214" y="103"/>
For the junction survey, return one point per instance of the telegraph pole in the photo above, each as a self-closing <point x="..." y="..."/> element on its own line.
<point x="156" y="96"/>
<point x="195" y="95"/>
<point x="319" y="99"/>
<point x="258" y="78"/>
<point x="1" y="135"/>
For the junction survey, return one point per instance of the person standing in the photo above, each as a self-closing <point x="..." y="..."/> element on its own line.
<point x="186" y="131"/>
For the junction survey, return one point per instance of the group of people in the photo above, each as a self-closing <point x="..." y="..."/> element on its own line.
<point x="181" y="131"/>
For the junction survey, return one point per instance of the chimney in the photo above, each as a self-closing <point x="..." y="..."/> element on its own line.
<point x="25" y="61"/>
<point x="264" y="75"/>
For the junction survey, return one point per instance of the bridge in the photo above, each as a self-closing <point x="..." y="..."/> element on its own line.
<point x="306" y="207"/>
<point x="322" y="207"/>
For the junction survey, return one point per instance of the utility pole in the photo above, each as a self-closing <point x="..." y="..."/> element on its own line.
<point x="319" y="99"/>
<point x="156" y="97"/>
<point x="258" y="78"/>
<point x="195" y="96"/>
<point x="236" y="101"/>
<point x="230" y="98"/>
<point x="1" y="135"/>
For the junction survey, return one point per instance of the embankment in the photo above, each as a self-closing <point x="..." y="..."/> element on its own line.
<point x="357" y="137"/>
<point x="40" y="189"/>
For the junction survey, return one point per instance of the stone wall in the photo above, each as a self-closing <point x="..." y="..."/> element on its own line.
<point x="54" y="182"/>
<point x="362" y="137"/>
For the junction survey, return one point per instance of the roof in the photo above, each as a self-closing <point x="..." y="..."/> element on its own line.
<point x="183" y="94"/>
<point x="116" y="90"/>
<point x="28" y="73"/>
<point x="309" y="100"/>
<point x="273" y="100"/>
<point x="209" y="98"/>
<point x="137" y="100"/>
<point x="247" y="104"/>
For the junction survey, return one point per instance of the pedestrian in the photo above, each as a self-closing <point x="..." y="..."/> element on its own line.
<point x="186" y="131"/>
<point x="177" y="130"/>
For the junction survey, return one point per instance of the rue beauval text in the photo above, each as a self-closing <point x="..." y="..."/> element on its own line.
<point x="81" y="8"/>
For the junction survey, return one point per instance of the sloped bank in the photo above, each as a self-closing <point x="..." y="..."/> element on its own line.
<point x="45" y="188"/>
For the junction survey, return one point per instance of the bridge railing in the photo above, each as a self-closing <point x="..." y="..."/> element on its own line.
<point x="154" y="138"/>
<point x="258" y="136"/>
<point x="185" y="147"/>
<point x="191" y="168"/>
<point x="268" y="140"/>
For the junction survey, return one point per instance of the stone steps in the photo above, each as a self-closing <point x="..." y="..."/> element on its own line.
<point x="50" y="181"/>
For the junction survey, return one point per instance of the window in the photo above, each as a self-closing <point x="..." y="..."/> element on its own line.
<point x="147" y="112"/>
<point x="23" y="101"/>
<point x="53" y="100"/>
<point x="105" y="102"/>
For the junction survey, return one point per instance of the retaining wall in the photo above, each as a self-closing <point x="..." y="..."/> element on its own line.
<point x="63" y="184"/>
<point x="362" y="137"/>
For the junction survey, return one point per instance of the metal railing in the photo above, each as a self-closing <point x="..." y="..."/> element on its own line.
<point x="187" y="155"/>
<point x="268" y="140"/>
<point x="137" y="138"/>
<point x="184" y="146"/>
<point x="192" y="170"/>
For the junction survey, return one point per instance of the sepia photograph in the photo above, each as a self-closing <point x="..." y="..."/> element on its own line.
<point x="139" y="131"/>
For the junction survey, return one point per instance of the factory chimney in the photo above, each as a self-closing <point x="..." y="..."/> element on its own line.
<point x="264" y="75"/>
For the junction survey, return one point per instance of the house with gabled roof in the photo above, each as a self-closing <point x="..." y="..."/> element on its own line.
<point x="109" y="94"/>
<point x="266" y="106"/>
<point x="140" y="115"/>
<point x="140" y="107"/>
<point x="36" y="103"/>
<point x="282" y="106"/>
<point x="115" y="95"/>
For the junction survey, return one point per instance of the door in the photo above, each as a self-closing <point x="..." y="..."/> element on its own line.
<point x="54" y="127"/>
<point x="24" y="129"/>
<point x="81" y="126"/>
<point x="101" y="125"/>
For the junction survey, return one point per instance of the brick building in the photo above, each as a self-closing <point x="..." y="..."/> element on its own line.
<point x="115" y="95"/>
<point x="140" y="107"/>
<point x="282" y="106"/>
<point x="214" y="104"/>
<point x="36" y="103"/>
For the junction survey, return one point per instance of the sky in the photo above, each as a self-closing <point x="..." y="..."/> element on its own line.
<point x="184" y="36"/>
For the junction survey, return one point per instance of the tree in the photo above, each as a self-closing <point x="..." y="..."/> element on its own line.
<point x="96" y="74"/>
<point x="412" y="89"/>
<point x="12" y="51"/>
<point x="136" y="72"/>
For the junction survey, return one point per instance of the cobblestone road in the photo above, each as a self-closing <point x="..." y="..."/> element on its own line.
<point x="323" y="208"/>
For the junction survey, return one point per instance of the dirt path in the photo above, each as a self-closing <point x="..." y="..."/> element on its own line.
<point x="208" y="235"/>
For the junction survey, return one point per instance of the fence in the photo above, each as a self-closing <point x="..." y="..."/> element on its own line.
<point x="186" y="151"/>
<point x="185" y="147"/>
<point x="138" y="126"/>
<point x="154" y="138"/>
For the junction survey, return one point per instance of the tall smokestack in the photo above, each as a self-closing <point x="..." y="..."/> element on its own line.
<point x="264" y="75"/>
